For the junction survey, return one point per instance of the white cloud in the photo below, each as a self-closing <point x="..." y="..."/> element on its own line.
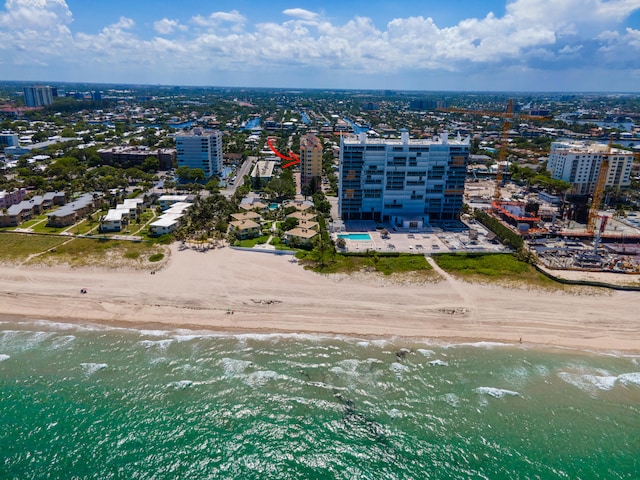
<point x="569" y="49"/>
<point x="35" y="14"/>
<point x="300" y="13"/>
<point x="123" y="23"/>
<point x="166" y="26"/>
<point x="530" y="32"/>
<point x="216" y="18"/>
<point x="33" y="32"/>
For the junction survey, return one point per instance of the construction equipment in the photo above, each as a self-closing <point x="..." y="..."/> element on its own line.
<point x="598" y="191"/>
<point x="504" y="141"/>
<point x="603" y="225"/>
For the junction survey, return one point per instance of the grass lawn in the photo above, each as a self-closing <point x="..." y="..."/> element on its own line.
<point x="16" y="247"/>
<point x="387" y="265"/>
<point x="103" y="253"/>
<point x="251" y="242"/>
<point x="493" y="267"/>
<point x="85" y="227"/>
<point x="32" y="222"/>
<point x="403" y="263"/>
<point x="42" y="228"/>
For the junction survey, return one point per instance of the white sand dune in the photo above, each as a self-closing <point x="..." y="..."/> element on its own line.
<point x="270" y="293"/>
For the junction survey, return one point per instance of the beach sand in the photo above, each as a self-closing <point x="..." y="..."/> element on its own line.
<point x="229" y="290"/>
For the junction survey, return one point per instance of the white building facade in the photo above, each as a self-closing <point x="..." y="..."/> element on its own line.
<point x="200" y="149"/>
<point x="403" y="181"/>
<point x="579" y="164"/>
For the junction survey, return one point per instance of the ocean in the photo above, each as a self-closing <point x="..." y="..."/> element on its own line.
<point x="99" y="402"/>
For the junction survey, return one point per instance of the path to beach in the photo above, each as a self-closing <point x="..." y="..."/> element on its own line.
<point x="228" y="290"/>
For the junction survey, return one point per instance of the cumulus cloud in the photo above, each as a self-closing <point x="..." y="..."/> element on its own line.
<point x="166" y="26"/>
<point x="21" y="14"/>
<point x="530" y="33"/>
<point x="40" y="27"/>
<point x="216" y="18"/>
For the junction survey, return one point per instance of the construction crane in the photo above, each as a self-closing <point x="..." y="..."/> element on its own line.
<point x="598" y="191"/>
<point x="504" y="142"/>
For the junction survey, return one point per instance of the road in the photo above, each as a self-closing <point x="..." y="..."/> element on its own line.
<point x="245" y="169"/>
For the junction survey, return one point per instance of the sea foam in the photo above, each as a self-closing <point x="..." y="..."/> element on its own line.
<point x="161" y="344"/>
<point x="181" y="384"/>
<point x="451" y="398"/>
<point x="91" y="368"/>
<point x="496" y="392"/>
<point x="630" y="378"/>
<point x="234" y="366"/>
<point x="398" y="368"/>
<point x="426" y="353"/>
<point x="438" y="363"/>
<point x="4" y="357"/>
<point x="590" y="381"/>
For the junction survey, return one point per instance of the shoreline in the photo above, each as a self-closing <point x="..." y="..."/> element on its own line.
<point x="237" y="292"/>
<point x="167" y="329"/>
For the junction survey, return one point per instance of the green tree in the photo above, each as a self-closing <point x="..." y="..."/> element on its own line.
<point x="150" y="164"/>
<point x="289" y="223"/>
<point x="197" y="174"/>
<point x="213" y="184"/>
<point x="183" y="173"/>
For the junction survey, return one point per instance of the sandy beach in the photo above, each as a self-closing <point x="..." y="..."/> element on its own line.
<point x="229" y="290"/>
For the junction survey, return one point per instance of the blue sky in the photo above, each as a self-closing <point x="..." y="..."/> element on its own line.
<point x="516" y="45"/>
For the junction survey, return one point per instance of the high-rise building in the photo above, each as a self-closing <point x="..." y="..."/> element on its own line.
<point x="579" y="164"/>
<point x="38" y="96"/>
<point x="403" y="181"/>
<point x="200" y="149"/>
<point x="9" y="139"/>
<point x="310" y="161"/>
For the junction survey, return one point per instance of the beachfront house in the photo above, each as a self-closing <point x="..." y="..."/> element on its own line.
<point x="251" y="203"/>
<point x="72" y="212"/>
<point x="112" y="221"/>
<point x="303" y="216"/>
<point x="245" y="225"/>
<point x="170" y="219"/>
<point x="117" y="218"/>
<point x="20" y="212"/>
<point x="244" y="229"/>
<point x="256" y="217"/>
<point x="301" y="236"/>
<point x="166" y="201"/>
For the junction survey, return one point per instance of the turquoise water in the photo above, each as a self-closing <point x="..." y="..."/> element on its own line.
<point x="93" y="402"/>
<point x="355" y="236"/>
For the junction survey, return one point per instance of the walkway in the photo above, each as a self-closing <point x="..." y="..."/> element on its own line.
<point x="456" y="285"/>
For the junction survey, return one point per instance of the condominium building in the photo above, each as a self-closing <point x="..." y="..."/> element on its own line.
<point x="310" y="161"/>
<point x="38" y="96"/>
<point x="200" y="149"/>
<point x="404" y="181"/>
<point x="579" y="164"/>
<point x="125" y="156"/>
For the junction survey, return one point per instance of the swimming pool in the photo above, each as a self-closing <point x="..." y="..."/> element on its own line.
<point x="354" y="236"/>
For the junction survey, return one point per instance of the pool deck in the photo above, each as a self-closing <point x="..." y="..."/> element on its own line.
<point x="427" y="241"/>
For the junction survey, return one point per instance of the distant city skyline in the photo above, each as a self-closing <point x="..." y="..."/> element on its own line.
<point x="520" y="45"/>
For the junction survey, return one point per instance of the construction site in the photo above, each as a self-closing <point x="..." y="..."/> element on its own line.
<point x="564" y="236"/>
